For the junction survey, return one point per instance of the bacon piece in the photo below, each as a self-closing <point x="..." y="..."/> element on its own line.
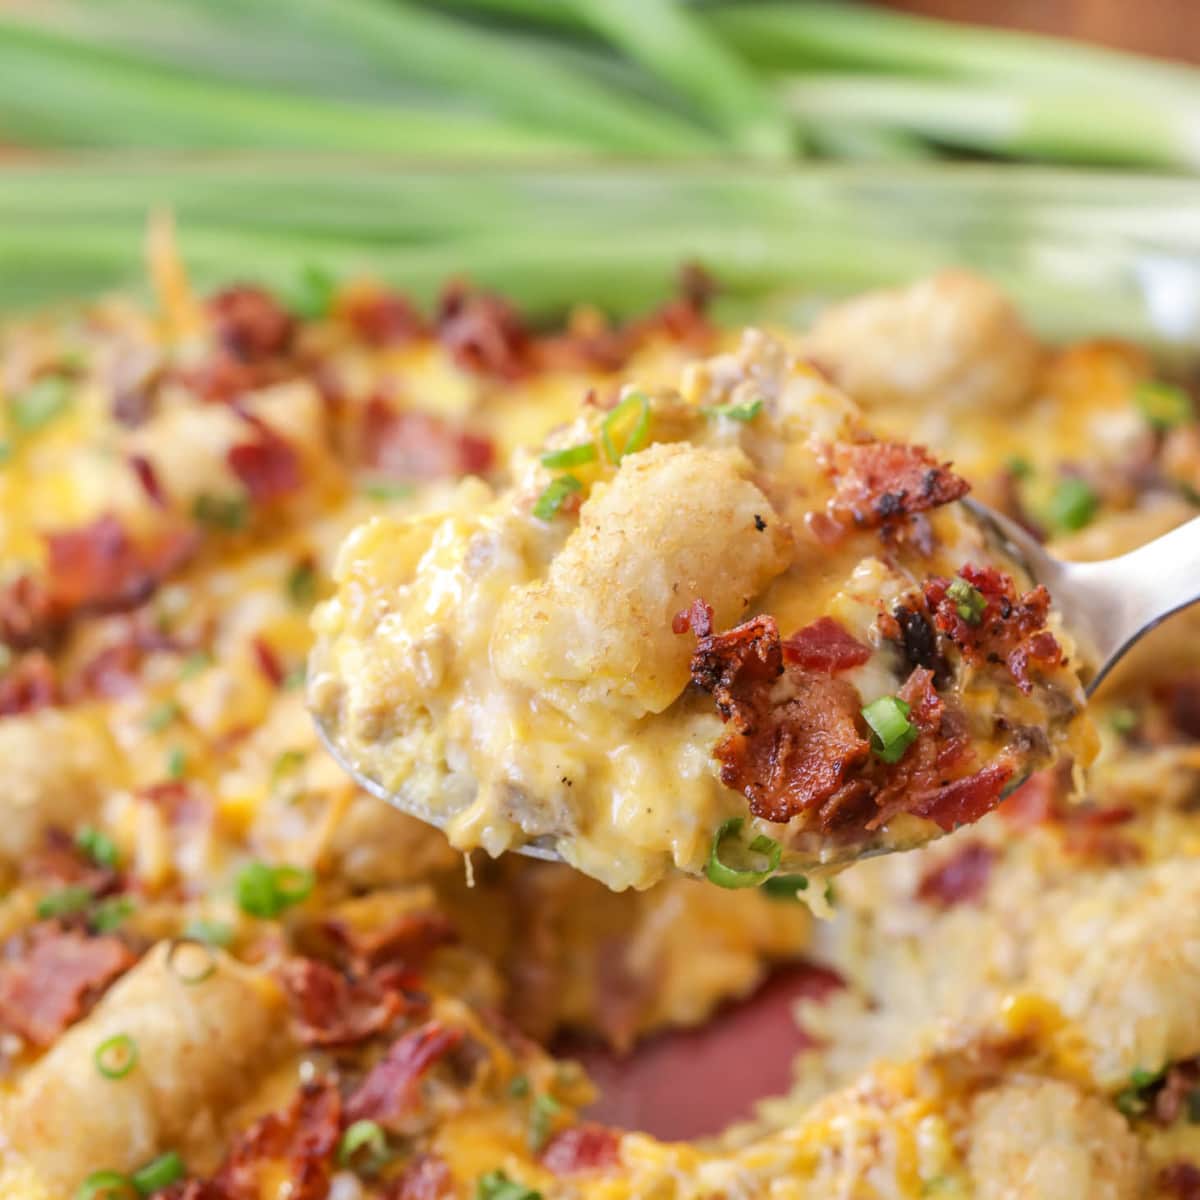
<point x="267" y="661"/>
<point x="427" y="1177"/>
<point x="962" y="878"/>
<point x="55" y="978"/>
<point x="926" y="707"/>
<point x="417" y="445"/>
<point x="696" y="618"/>
<point x="60" y="860"/>
<point x="304" y="1137"/>
<point x="825" y="647"/>
<point x="269" y="467"/>
<point x="788" y="755"/>
<point x="331" y="1009"/>
<point x="389" y="1091"/>
<point x="483" y="333"/>
<point x="962" y="801"/>
<point x="1174" y="1097"/>
<point x="147" y="476"/>
<point x="882" y="482"/>
<point x="406" y="943"/>
<point x="29" y="684"/>
<point x="1038" y="799"/>
<point x="382" y="318"/>
<point x="583" y="1147"/>
<point x="250" y="323"/>
<point x="1180" y="1180"/>
<point x="1010" y="629"/>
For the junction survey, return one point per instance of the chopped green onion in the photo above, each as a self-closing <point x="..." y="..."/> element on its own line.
<point x="735" y="412"/>
<point x="381" y="489"/>
<point x="554" y="496"/>
<point x="302" y="584"/>
<point x="211" y="933"/>
<point x="64" y="902"/>
<point x="1019" y="467"/>
<point x="785" y="887"/>
<point x="191" y="961"/>
<point x="1073" y="504"/>
<point x="287" y="763"/>
<point x="363" y="1135"/>
<point x="496" y="1185"/>
<point x="110" y="914"/>
<point x="572" y="456"/>
<point x="1163" y="405"/>
<point x="106" y="1185"/>
<point x="265" y="891"/>
<point x="176" y="763"/>
<point x="726" y="839"/>
<point x="313" y="294"/>
<point x="968" y="601"/>
<point x="116" y="1056"/>
<point x="40" y="403"/>
<point x="159" y="1173"/>
<point x="98" y="846"/>
<point x="541" y="1116"/>
<point x="295" y="677"/>
<point x="1133" y="1100"/>
<point x="1123" y="720"/>
<point x="519" y="1086"/>
<point x="891" y="731"/>
<point x="161" y="715"/>
<point x="635" y="407"/>
<point x="227" y="513"/>
<point x="195" y="663"/>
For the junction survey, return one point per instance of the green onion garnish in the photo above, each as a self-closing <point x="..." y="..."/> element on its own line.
<point x="64" y="902"/>
<point x="495" y="1185"/>
<point x="727" y="841"/>
<point x="363" y="1135"/>
<point x="98" y="846"/>
<point x="891" y="731"/>
<point x="968" y="600"/>
<point x="735" y="412"/>
<point x="572" y="456"/>
<point x="106" y="1185"/>
<point x="519" y="1086"/>
<point x="195" y="663"/>
<point x="286" y="764"/>
<point x="40" y="403"/>
<point x="1073" y="504"/>
<point x="176" y="763"/>
<point x="1163" y="405"/>
<point x="159" y="1173"/>
<point x="191" y="961"/>
<point x="1133" y="1100"/>
<point x="312" y="296"/>
<point x="555" y="495"/>
<point x="227" y="513"/>
<point x="110" y="914"/>
<point x="1019" y="467"/>
<point x="785" y="887"/>
<point x="161" y="715"/>
<point x="116" y="1056"/>
<point x="381" y="489"/>
<point x="265" y="891"/>
<point x="634" y="408"/>
<point x="211" y="933"/>
<point x="541" y="1115"/>
<point x="1123" y="720"/>
<point x="295" y="677"/>
<point x="302" y="585"/>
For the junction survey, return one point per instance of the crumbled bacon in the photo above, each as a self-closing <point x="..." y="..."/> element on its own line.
<point x="147" y="477"/>
<point x="961" y="878"/>
<point x="303" y="1137"/>
<point x="696" y="618"/>
<point x="879" y="483"/>
<point x="426" y="1177"/>
<point x="381" y="318"/>
<point x="583" y="1147"/>
<point x="1010" y="629"/>
<point x="788" y="755"/>
<point x="405" y="943"/>
<point x="53" y="978"/>
<point x="482" y="333"/>
<point x="267" y="661"/>
<point x="268" y="467"/>
<point x="29" y="684"/>
<point x="60" y="860"/>
<point x="250" y="323"/>
<point x="825" y="647"/>
<point x="389" y="1091"/>
<point x="1174" y="1097"/>
<point x="962" y="801"/>
<point x="1181" y="1180"/>
<point x="331" y="1009"/>
<point x="409" y="445"/>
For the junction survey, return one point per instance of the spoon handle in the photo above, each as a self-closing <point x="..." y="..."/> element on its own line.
<point x="1119" y="600"/>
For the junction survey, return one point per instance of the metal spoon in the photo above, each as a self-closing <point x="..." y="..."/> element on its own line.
<point x="1107" y="606"/>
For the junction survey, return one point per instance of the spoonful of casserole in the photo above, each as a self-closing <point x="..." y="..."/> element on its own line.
<point x="719" y="630"/>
